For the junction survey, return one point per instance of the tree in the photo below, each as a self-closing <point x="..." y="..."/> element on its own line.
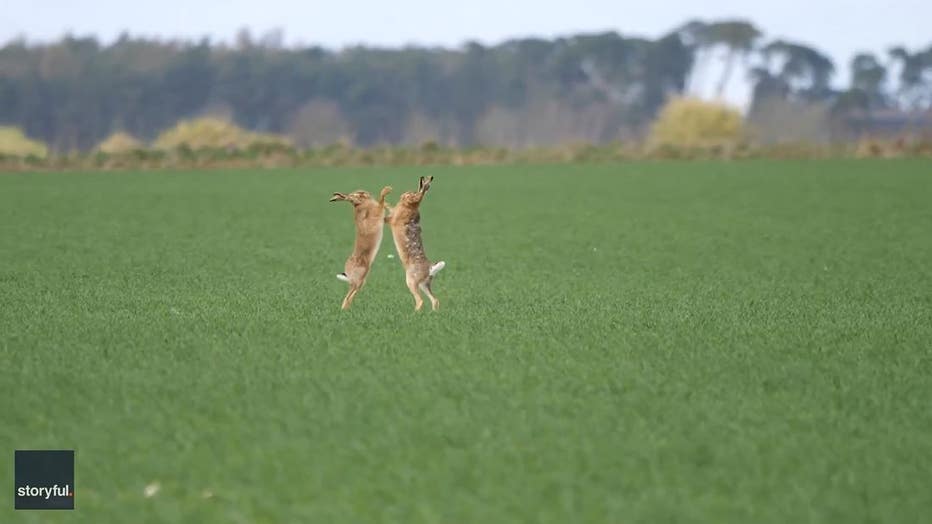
<point x="694" y="36"/>
<point x="868" y="76"/>
<point x="73" y="93"/>
<point x="796" y="69"/>
<point x="915" y="77"/>
<point x="736" y="37"/>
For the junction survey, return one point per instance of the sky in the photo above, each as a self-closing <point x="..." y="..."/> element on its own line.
<point x="840" y="28"/>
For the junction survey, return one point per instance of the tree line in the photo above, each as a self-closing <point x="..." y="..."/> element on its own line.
<point x="524" y="92"/>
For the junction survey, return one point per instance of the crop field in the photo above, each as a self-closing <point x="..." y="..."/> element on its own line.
<point x="646" y="342"/>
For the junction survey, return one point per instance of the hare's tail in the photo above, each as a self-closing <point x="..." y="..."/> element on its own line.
<point x="343" y="277"/>
<point x="434" y="269"/>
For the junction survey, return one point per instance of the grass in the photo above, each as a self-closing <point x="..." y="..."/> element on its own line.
<point x="650" y="342"/>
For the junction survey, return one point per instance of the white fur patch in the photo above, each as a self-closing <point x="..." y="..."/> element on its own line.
<point x="343" y="277"/>
<point x="434" y="269"/>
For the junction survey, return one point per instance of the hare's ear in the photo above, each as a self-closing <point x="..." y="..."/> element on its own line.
<point x="425" y="184"/>
<point x="337" y="196"/>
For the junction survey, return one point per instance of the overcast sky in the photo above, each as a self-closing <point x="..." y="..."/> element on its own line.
<point x="838" y="27"/>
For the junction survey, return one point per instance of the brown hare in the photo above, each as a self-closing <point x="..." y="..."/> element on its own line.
<point x="405" y="221"/>
<point x="369" y="215"/>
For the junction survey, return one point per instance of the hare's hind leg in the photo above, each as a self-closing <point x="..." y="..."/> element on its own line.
<point x="412" y="287"/>
<point x="425" y="287"/>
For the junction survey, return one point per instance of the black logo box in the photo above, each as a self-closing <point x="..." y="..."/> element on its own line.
<point x="51" y="472"/>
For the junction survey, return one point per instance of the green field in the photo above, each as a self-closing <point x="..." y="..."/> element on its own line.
<point x="743" y="342"/>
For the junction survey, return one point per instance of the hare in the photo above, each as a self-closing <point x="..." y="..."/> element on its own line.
<point x="405" y="221"/>
<point x="369" y="215"/>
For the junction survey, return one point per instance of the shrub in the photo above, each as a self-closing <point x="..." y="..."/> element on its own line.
<point x="119" y="143"/>
<point x="774" y="120"/>
<point x="696" y="124"/>
<point x="213" y="133"/>
<point x="13" y="142"/>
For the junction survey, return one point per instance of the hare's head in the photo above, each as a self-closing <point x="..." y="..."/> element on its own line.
<point x="355" y="198"/>
<point x="413" y="198"/>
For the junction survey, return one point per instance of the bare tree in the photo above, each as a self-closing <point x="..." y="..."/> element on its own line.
<point x="319" y="122"/>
